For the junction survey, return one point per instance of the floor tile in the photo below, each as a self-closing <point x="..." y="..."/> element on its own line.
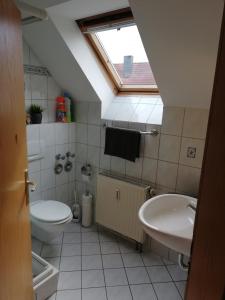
<point x="53" y="297"/>
<point x="132" y="260"/>
<point x="107" y="237"/>
<point x="166" y="291"/>
<point x="158" y="274"/>
<point x="94" y="294"/>
<point x="92" y="278"/>
<point x="90" y="237"/>
<point x="115" y="277"/>
<point x="127" y="247"/>
<point x="71" y="237"/>
<point x="112" y="261"/>
<point x="71" y="249"/>
<point x="72" y="227"/>
<point x="51" y="251"/>
<point x="176" y="273"/>
<point x="137" y="275"/>
<point x="91" y="262"/>
<point x="181" y="285"/>
<point x="53" y="261"/>
<point x="90" y="248"/>
<point x="119" y="293"/>
<point x="109" y="248"/>
<point x="70" y="263"/>
<point x="152" y="259"/>
<point x="69" y="295"/>
<point x="69" y="280"/>
<point x="36" y="246"/>
<point x="143" y="292"/>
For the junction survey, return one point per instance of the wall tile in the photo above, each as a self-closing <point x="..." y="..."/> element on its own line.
<point x="142" y="113"/>
<point x="156" y="115"/>
<point x="93" y="156"/>
<point x="27" y="87"/>
<point x="62" y="193"/>
<point x="169" y="148"/>
<point x="47" y="133"/>
<point x="61" y="133"/>
<point x="149" y="169"/>
<point x="81" y="133"/>
<point x="134" y="169"/>
<point x="118" y="165"/>
<point x="72" y="132"/>
<point x="94" y="135"/>
<point x="167" y="174"/>
<point x="172" y="120"/>
<point x="53" y="89"/>
<point x="188" y="180"/>
<point x="38" y="87"/>
<point x="195" y="123"/>
<point x="51" y="111"/>
<point x="188" y="145"/>
<point x="49" y="194"/>
<point x="151" y="146"/>
<point x="33" y="132"/>
<point x="81" y="152"/>
<point x="26" y="53"/>
<point x="47" y="179"/>
<point x="33" y="59"/>
<point x="125" y="112"/>
<point x="105" y="160"/>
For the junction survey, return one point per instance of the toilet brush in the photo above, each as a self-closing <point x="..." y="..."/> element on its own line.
<point x="76" y="209"/>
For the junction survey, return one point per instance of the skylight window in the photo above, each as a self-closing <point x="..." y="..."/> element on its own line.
<point x="117" y="42"/>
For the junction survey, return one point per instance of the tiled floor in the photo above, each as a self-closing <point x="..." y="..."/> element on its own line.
<point x="96" y="265"/>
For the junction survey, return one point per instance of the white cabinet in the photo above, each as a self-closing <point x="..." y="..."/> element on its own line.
<point x="117" y="206"/>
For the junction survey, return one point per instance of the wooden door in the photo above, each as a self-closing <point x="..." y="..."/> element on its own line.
<point x="15" y="237"/>
<point x="207" y="272"/>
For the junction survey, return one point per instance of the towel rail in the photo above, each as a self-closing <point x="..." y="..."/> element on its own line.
<point x="153" y="132"/>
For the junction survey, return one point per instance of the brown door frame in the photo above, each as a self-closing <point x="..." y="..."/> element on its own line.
<point x="207" y="271"/>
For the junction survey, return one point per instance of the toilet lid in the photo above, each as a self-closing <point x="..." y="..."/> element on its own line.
<point x="50" y="211"/>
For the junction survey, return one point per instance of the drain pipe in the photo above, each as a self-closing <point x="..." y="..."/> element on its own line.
<point x="182" y="264"/>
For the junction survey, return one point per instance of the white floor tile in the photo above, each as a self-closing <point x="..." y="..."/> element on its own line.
<point x="132" y="260"/>
<point x="91" y="262"/>
<point x="176" y="273"/>
<point x="57" y="241"/>
<point x="72" y="237"/>
<point x="143" y="292"/>
<point x="92" y="228"/>
<point x="92" y="278"/>
<point x="112" y="261"/>
<point x="90" y="248"/>
<point x="69" y="295"/>
<point x="72" y="227"/>
<point x="51" y="251"/>
<point x="53" y="297"/>
<point x="119" y="293"/>
<point x="159" y="274"/>
<point x="71" y="263"/>
<point x="115" y="277"/>
<point x="137" y="275"/>
<point x="181" y="285"/>
<point x="152" y="259"/>
<point x="90" y="237"/>
<point x="71" y="249"/>
<point x="105" y="236"/>
<point x="109" y="248"/>
<point x="69" y="280"/>
<point x="94" y="294"/>
<point x="166" y="291"/>
<point x="127" y="247"/>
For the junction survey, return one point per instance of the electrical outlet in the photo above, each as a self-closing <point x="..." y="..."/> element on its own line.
<point x="191" y="152"/>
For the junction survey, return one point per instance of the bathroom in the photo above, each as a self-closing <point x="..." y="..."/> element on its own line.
<point x="100" y="259"/>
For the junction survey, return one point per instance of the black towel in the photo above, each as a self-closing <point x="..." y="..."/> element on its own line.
<point x="122" y="143"/>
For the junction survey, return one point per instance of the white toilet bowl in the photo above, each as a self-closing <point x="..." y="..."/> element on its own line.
<point x="48" y="219"/>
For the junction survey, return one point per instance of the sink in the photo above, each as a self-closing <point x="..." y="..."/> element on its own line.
<point x="169" y="219"/>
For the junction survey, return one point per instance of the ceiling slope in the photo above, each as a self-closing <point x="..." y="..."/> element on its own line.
<point x="181" y="40"/>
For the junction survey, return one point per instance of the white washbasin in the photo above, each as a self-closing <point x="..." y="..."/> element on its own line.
<point x="169" y="219"/>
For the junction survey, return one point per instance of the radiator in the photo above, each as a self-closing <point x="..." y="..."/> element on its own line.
<point x="117" y="205"/>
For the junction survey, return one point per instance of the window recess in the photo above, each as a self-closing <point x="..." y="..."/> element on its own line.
<point x="117" y="43"/>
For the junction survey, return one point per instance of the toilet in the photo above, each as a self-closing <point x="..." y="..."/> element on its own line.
<point x="48" y="219"/>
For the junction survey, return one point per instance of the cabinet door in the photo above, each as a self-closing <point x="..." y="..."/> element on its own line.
<point x="130" y="200"/>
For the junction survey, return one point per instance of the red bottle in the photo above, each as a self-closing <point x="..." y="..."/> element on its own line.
<point x="60" y="110"/>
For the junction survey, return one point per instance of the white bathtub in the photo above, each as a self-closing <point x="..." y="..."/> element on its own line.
<point x="45" y="277"/>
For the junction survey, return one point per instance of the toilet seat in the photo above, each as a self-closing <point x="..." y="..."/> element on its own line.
<point x="50" y="211"/>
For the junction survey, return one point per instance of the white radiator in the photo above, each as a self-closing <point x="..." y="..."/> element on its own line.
<point x="117" y="205"/>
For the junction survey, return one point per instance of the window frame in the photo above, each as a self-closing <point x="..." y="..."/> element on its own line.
<point x="89" y="26"/>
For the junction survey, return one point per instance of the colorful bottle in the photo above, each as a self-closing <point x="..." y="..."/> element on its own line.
<point x="60" y="110"/>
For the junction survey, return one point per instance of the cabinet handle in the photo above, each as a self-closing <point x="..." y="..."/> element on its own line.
<point x="117" y="194"/>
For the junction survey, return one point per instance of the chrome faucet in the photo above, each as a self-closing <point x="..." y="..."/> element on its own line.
<point x="192" y="206"/>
